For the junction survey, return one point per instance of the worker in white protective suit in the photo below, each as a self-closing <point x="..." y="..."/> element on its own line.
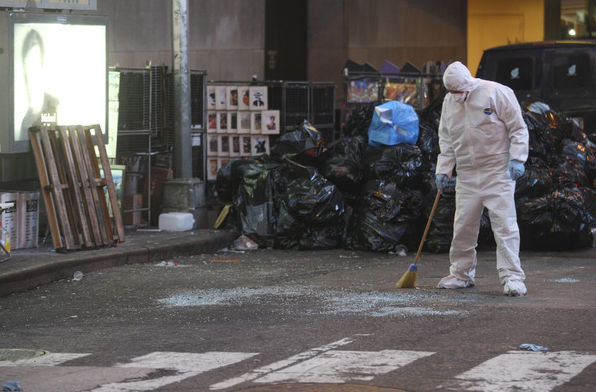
<point x="483" y="136"/>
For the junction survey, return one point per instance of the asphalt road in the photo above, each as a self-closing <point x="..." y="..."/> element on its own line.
<point x="269" y="320"/>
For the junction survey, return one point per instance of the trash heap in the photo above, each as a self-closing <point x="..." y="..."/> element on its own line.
<point x="556" y="197"/>
<point x="373" y="189"/>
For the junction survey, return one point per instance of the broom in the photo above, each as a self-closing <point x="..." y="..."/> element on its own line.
<point x="408" y="280"/>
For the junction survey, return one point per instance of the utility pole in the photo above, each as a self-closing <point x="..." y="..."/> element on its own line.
<point x="182" y="111"/>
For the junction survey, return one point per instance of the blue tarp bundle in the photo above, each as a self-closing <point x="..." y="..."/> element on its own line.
<point x="393" y="123"/>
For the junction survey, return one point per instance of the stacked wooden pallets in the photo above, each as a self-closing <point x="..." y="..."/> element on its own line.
<point x="73" y="189"/>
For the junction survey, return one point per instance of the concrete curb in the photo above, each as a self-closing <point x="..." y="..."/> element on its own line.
<point x="33" y="270"/>
<point x="187" y="246"/>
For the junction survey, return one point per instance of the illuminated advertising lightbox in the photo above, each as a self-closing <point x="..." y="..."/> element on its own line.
<point x="58" y="74"/>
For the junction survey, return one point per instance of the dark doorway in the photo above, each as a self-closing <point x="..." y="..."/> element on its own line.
<point x="285" y="40"/>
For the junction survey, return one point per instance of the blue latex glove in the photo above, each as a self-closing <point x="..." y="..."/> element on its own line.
<point x="441" y="181"/>
<point x="516" y="169"/>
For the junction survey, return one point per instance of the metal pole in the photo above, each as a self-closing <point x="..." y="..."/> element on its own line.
<point x="182" y="142"/>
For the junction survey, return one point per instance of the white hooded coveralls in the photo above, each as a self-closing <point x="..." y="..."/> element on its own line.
<point x="478" y="136"/>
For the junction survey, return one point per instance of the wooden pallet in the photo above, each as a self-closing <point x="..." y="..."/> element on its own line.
<point x="73" y="190"/>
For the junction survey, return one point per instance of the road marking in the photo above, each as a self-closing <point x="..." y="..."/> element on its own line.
<point x="185" y="364"/>
<point x="51" y="359"/>
<point x="68" y="378"/>
<point x="513" y="371"/>
<point x="260" y="372"/>
<point x="523" y="371"/>
<point x="338" y="367"/>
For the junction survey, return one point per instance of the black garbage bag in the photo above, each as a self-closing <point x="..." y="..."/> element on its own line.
<point x="368" y="232"/>
<point x="583" y="153"/>
<point x="369" y="162"/>
<point x="554" y="222"/>
<point x="310" y="210"/>
<point x="359" y="121"/>
<point x="311" y="198"/>
<point x="288" y="230"/>
<point x="402" y="164"/>
<point x="554" y="126"/>
<point x="577" y="133"/>
<point x="537" y="147"/>
<point x="255" y="209"/>
<point x="388" y="201"/>
<point x="428" y="142"/>
<point x="386" y="217"/>
<point x="320" y="238"/>
<point x="294" y="234"/>
<point x="229" y="177"/>
<point x="590" y="162"/>
<point x="590" y="204"/>
<point x="225" y="185"/>
<point x="535" y="219"/>
<point x="343" y="165"/>
<point x="440" y="233"/>
<point x="542" y="143"/>
<point x="428" y="179"/>
<point x="536" y="181"/>
<point x="568" y="173"/>
<point x="304" y="146"/>
<point x="574" y="151"/>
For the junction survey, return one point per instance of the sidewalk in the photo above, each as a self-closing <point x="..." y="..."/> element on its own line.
<point x="29" y="268"/>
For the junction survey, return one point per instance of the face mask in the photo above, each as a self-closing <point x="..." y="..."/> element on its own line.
<point x="460" y="97"/>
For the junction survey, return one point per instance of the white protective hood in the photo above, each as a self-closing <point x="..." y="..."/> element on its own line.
<point x="457" y="77"/>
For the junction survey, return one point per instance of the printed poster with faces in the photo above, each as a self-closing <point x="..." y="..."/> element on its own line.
<point x="243" y="98"/>
<point x="258" y="97"/>
<point x="260" y="145"/>
<point x="270" y="122"/>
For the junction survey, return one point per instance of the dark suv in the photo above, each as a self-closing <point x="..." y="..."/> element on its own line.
<point x="559" y="73"/>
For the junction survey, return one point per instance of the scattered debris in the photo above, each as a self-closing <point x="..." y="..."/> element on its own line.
<point x="244" y="243"/>
<point x="532" y="347"/>
<point x="566" y="280"/>
<point x="400" y="250"/>
<point x="225" y="261"/>
<point x="12" y="386"/>
<point x="323" y="302"/>
<point x="228" y="250"/>
<point x="168" y="264"/>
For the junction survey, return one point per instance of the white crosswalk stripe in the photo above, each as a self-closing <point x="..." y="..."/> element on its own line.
<point x="523" y="371"/>
<point x="51" y="359"/>
<point x="185" y="364"/>
<point x="344" y="366"/>
<point x="254" y="374"/>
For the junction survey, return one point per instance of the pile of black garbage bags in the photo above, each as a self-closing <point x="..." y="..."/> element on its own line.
<point x="352" y="195"/>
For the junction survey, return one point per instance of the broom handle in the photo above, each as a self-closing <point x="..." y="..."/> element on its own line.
<point x="430" y="218"/>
